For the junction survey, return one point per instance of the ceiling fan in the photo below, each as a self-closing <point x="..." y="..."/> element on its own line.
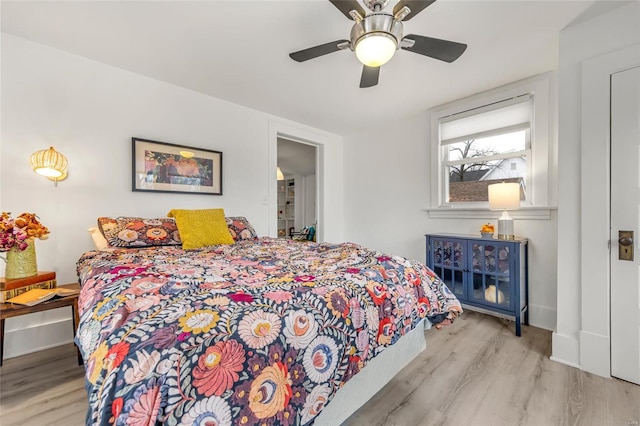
<point x="376" y="36"/>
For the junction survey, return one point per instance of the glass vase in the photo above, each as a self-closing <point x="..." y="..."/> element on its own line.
<point x="22" y="263"/>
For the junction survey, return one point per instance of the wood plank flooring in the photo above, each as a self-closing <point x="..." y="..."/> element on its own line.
<point x="475" y="372"/>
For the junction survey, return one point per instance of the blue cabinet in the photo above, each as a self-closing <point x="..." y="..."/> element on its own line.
<point x="486" y="275"/>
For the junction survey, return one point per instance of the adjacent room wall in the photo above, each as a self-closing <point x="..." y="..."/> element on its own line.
<point x="579" y="44"/>
<point x="386" y="196"/>
<point x="89" y="112"/>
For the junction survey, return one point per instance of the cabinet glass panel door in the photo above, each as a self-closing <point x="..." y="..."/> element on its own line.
<point x="490" y="274"/>
<point x="448" y="262"/>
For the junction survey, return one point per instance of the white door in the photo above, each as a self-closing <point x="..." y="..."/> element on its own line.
<point x="625" y="216"/>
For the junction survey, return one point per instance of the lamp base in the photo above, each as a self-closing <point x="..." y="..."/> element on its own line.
<point x="505" y="227"/>
<point x="506" y="237"/>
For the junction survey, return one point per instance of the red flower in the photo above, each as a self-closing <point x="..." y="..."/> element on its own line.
<point x="423" y="307"/>
<point x="218" y="368"/>
<point x="386" y="328"/>
<point x="116" y="354"/>
<point x="241" y="297"/>
<point x="377" y="291"/>
<point x="116" y="407"/>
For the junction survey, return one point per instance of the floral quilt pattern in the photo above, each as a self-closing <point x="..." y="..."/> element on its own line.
<point x="264" y="331"/>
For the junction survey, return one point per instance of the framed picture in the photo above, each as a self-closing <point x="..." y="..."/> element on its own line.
<point x="166" y="167"/>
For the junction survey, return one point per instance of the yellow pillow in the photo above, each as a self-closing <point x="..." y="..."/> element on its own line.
<point x="201" y="228"/>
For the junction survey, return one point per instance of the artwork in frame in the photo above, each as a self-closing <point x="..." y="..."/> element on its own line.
<point x="166" y="167"/>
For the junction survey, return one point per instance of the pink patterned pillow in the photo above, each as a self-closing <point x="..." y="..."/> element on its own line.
<point x="139" y="232"/>
<point x="240" y="228"/>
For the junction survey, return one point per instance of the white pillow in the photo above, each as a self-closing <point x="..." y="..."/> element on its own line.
<point x="98" y="239"/>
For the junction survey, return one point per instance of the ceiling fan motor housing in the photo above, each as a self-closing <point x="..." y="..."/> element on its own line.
<point x="376" y="5"/>
<point x="376" y="24"/>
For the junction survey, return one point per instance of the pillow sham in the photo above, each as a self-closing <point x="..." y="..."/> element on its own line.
<point x="240" y="228"/>
<point x="99" y="242"/>
<point x="139" y="232"/>
<point x="201" y="228"/>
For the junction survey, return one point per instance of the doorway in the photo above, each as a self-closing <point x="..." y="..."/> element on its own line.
<point x="297" y="189"/>
<point x="625" y="217"/>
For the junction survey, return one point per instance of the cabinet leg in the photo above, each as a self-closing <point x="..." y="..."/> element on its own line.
<point x="1" y="341"/>
<point x="518" y="327"/>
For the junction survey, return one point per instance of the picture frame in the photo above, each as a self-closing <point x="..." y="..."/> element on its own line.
<point x="166" y="167"/>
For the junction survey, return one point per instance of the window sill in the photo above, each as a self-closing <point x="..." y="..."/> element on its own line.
<point x="527" y="213"/>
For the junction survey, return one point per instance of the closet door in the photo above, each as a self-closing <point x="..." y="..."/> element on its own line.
<point x="625" y="217"/>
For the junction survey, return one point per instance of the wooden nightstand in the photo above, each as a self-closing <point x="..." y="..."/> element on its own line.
<point x="8" y="310"/>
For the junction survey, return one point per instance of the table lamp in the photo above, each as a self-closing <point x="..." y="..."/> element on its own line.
<point x="504" y="196"/>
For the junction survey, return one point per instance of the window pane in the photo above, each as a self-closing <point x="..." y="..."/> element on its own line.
<point x="468" y="181"/>
<point x="501" y="144"/>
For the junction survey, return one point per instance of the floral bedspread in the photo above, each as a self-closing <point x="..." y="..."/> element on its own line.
<point x="263" y="331"/>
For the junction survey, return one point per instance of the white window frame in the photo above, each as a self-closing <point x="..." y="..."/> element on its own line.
<point x="541" y="164"/>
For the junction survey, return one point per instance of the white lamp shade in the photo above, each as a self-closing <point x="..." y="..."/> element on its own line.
<point x="375" y="49"/>
<point x="279" y="174"/>
<point x="504" y="196"/>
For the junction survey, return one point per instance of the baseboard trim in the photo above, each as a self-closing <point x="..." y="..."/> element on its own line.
<point x="33" y="339"/>
<point x="542" y="317"/>
<point x="566" y="349"/>
<point x="595" y="353"/>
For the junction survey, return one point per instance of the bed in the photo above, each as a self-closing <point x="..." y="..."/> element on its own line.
<point x="261" y="331"/>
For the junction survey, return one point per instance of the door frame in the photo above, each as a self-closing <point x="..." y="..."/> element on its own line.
<point x="329" y="206"/>
<point x="595" y="276"/>
<point x="316" y="165"/>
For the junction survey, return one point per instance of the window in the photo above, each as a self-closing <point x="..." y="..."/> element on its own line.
<point x="485" y="146"/>
<point x="502" y="135"/>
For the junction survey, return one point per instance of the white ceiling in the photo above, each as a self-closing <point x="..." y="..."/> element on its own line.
<point x="238" y="50"/>
<point x="296" y="159"/>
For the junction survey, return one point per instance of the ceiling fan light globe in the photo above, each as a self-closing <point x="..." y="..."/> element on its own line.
<point x="374" y="50"/>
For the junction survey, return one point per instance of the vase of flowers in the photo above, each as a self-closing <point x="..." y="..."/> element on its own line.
<point x="17" y="239"/>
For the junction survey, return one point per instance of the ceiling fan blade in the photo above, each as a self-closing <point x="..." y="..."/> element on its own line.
<point x="369" y="76"/>
<point x="416" y="7"/>
<point x="346" y="6"/>
<point x="314" y="52"/>
<point x="443" y="50"/>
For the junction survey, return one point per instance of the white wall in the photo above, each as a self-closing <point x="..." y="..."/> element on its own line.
<point x="309" y="205"/>
<point x="89" y="112"/>
<point x="579" y="45"/>
<point x="386" y="196"/>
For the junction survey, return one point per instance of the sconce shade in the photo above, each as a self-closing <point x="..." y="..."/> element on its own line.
<point x="279" y="174"/>
<point x="504" y="196"/>
<point x="50" y="163"/>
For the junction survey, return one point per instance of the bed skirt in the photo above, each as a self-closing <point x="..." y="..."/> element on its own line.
<point x="373" y="377"/>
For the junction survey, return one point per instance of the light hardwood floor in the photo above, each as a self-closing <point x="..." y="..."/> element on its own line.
<point x="475" y="372"/>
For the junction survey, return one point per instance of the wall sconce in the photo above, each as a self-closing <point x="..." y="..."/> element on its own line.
<point x="279" y="174"/>
<point x="50" y="164"/>
<point x="504" y="196"/>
